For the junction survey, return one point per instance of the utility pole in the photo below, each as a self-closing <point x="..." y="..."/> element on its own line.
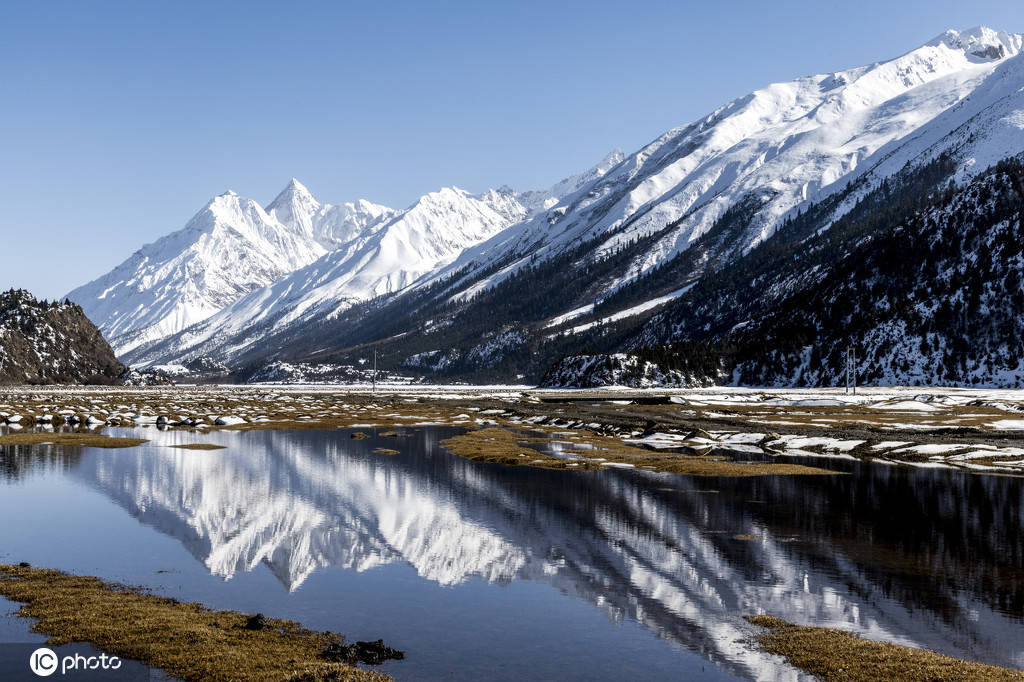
<point x="851" y="369"/>
<point x="374" y="371"/>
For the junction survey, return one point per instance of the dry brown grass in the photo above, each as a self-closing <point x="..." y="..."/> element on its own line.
<point x="830" y="654"/>
<point x="385" y="451"/>
<point x="503" y="446"/>
<point x="499" y="446"/>
<point x="198" y="446"/>
<point x="82" y="439"/>
<point x="186" y="640"/>
<point x="397" y="414"/>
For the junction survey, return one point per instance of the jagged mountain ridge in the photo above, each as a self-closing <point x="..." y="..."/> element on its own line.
<point x="227" y="249"/>
<point x="51" y="343"/>
<point x="354" y="251"/>
<point x="634" y="238"/>
<point x="381" y="262"/>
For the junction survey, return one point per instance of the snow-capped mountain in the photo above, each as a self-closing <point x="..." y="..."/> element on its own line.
<point x="381" y="260"/>
<point x="779" y="147"/>
<point x="372" y="251"/>
<point x="533" y="276"/>
<point x="229" y="248"/>
<point x="354" y="251"/>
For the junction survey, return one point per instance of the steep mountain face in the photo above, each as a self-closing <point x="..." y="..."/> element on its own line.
<point x="771" y="151"/>
<point x="229" y="248"/>
<point x="382" y="260"/>
<point x="51" y="343"/>
<point x="928" y="288"/>
<point x="580" y="268"/>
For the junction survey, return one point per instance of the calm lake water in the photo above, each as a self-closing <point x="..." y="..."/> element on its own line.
<point x="482" y="571"/>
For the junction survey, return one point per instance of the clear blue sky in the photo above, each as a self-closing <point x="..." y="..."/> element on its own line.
<point x="120" y="120"/>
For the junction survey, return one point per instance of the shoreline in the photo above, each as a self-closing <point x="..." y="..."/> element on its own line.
<point x="839" y="656"/>
<point x="967" y="429"/>
<point x="185" y="639"/>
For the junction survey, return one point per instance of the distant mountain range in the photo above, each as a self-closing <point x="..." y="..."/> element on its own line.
<point x="726" y="233"/>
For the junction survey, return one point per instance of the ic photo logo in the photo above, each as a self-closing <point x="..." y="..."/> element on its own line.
<point x="45" y="662"/>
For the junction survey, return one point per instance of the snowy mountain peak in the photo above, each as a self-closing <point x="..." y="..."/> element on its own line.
<point x="293" y="191"/>
<point x="543" y="199"/>
<point x="297" y="186"/>
<point x="611" y="159"/>
<point x="980" y="42"/>
<point x="295" y="207"/>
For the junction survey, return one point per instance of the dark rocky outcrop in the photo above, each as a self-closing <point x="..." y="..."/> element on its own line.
<point x="592" y="370"/>
<point x="52" y="343"/>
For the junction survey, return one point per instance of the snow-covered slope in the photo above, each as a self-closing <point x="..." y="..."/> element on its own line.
<point x="372" y="251"/>
<point x="735" y="175"/>
<point x="779" y="148"/>
<point x="229" y="248"/>
<point x="382" y="260"/>
<point x="538" y="200"/>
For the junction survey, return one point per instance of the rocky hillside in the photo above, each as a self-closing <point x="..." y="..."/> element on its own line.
<point x="925" y="281"/>
<point x="51" y="343"/>
<point x="680" y="366"/>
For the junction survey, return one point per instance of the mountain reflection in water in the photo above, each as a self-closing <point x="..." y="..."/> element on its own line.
<point x="924" y="557"/>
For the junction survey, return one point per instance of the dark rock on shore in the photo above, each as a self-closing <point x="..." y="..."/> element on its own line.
<point x="370" y="653"/>
<point x="52" y="343"/>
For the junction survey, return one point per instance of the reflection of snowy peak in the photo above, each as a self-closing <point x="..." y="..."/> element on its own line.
<point x="635" y="545"/>
<point x="332" y="511"/>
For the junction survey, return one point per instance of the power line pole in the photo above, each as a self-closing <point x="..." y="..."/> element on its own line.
<point x="374" y="371"/>
<point x="851" y="370"/>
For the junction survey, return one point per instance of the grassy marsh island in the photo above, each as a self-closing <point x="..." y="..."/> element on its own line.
<point x="186" y="640"/>
<point x="838" y="656"/>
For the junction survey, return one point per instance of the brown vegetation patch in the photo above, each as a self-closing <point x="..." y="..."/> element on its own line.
<point x="502" y="446"/>
<point x="79" y="439"/>
<point x="187" y="640"/>
<point x="385" y="451"/>
<point x="198" y="446"/>
<point x="831" y="654"/>
<point x="499" y="446"/>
